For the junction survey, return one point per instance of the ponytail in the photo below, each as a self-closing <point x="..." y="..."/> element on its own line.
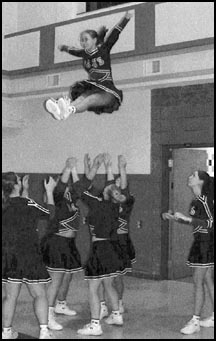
<point x="8" y="181"/>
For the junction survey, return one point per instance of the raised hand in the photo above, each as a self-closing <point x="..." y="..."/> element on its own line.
<point x="50" y="184"/>
<point x="122" y="163"/>
<point x="128" y="15"/>
<point x="87" y="160"/>
<point x="107" y="160"/>
<point x="71" y="162"/>
<point x="98" y="160"/>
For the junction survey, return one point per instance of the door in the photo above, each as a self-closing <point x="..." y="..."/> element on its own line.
<point x="185" y="162"/>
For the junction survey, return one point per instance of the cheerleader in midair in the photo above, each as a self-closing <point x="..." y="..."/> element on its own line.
<point x="201" y="256"/>
<point x="98" y="93"/>
<point x="22" y="260"/>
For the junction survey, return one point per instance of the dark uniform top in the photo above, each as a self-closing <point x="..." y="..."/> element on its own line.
<point x="125" y="210"/>
<point x="19" y="224"/>
<point x="97" y="63"/>
<point x="67" y="213"/>
<point x="201" y="211"/>
<point x="102" y="215"/>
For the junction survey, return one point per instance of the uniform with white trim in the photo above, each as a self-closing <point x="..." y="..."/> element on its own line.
<point x="59" y="249"/>
<point x="98" y="66"/>
<point x="202" y="250"/>
<point x="102" y="219"/>
<point x="126" y="247"/>
<point x="22" y="260"/>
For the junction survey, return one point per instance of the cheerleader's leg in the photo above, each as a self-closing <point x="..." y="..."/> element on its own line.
<point x="61" y="304"/>
<point x="40" y="303"/>
<point x="94" y="100"/>
<point x="119" y="285"/>
<point x="210" y="284"/>
<point x="115" y="317"/>
<point x="103" y="305"/>
<point x="63" y="290"/>
<point x="198" y="277"/>
<point x="94" y="299"/>
<point x="12" y="291"/>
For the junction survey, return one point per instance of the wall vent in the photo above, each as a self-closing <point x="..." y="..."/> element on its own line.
<point x="152" y="67"/>
<point x="53" y="80"/>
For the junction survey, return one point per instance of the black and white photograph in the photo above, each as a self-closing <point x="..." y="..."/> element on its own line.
<point x="108" y="170"/>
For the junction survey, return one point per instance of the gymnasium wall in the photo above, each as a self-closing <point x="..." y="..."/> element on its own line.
<point x="42" y="144"/>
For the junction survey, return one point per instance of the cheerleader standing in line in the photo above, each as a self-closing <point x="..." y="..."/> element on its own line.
<point x="124" y="245"/>
<point x="21" y="257"/>
<point x="201" y="256"/>
<point x="104" y="263"/>
<point x="98" y="93"/>
<point x="60" y="253"/>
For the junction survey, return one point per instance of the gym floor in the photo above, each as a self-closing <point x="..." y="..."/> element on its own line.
<point x="154" y="310"/>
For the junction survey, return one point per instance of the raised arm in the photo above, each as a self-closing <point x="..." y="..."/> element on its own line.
<point x="122" y="171"/>
<point x="87" y="164"/>
<point x="73" y="169"/>
<point x="108" y="167"/>
<point x="96" y="165"/>
<point x="71" y="50"/>
<point x="25" y="185"/>
<point x="115" y="32"/>
<point x="62" y="183"/>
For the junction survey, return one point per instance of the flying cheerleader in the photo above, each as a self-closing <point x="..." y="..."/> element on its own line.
<point x="98" y="93"/>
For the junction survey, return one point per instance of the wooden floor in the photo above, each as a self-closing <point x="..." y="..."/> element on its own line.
<point x="155" y="310"/>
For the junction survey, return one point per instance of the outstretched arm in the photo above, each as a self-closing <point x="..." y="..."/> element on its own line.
<point x="25" y="184"/>
<point x="108" y="167"/>
<point x="71" y="50"/>
<point x="87" y="164"/>
<point x="73" y="169"/>
<point x="114" y="34"/>
<point x="96" y="165"/>
<point x="122" y="171"/>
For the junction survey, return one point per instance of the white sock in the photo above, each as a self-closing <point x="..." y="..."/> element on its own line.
<point x="61" y="302"/>
<point x="103" y="303"/>
<point x="120" y="302"/>
<point x="196" y="317"/>
<point x="95" y="321"/>
<point x="43" y="326"/>
<point x="51" y="309"/>
<point x="7" y="329"/>
<point x="213" y="315"/>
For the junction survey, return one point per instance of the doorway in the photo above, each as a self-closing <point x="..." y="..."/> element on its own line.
<point x="181" y="163"/>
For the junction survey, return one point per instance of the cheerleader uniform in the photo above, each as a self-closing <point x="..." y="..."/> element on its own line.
<point x="22" y="260"/>
<point x="98" y="66"/>
<point x="102" y="219"/>
<point x="202" y="250"/>
<point x="124" y="242"/>
<point x="60" y="253"/>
